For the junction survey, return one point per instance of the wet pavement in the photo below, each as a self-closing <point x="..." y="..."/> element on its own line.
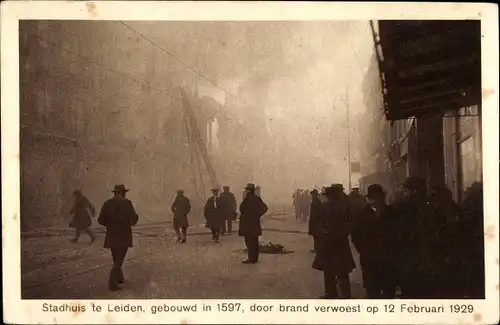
<point x="159" y="268"/>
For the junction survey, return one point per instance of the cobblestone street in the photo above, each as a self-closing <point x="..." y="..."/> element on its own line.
<point x="159" y="268"/>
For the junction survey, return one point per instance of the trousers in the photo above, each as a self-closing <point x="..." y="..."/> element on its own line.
<point x="252" y="244"/>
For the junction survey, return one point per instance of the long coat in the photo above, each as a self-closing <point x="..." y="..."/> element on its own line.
<point x="180" y="208"/>
<point x="229" y="205"/>
<point x="214" y="213"/>
<point x="333" y="254"/>
<point x="81" y="216"/>
<point x="252" y="209"/>
<point x="376" y="238"/>
<point x="317" y="212"/>
<point x="118" y="216"/>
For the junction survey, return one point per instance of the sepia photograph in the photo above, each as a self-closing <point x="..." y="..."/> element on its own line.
<point x="251" y="159"/>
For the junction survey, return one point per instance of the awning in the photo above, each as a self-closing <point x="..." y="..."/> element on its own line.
<point x="429" y="66"/>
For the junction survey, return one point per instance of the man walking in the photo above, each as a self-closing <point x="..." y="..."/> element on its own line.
<point x="181" y="208"/>
<point x="214" y="214"/>
<point x="252" y="209"/>
<point x="81" y="217"/>
<point x="118" y="216"/>
<point x="229" y="204"/>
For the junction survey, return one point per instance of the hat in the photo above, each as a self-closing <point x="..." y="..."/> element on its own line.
<point x="76" y="192"/>
<point x="120" y="188"/>
<point x="180" y="191"/>
<point x="415" y="183"/>
<point x="315" y="191"/>
<point x="374" y="191"/>
<point x="338" y="186"/>
<point x="250" y="186"/>
<point x="225" y="187"/>
<point x="215" y="189"/>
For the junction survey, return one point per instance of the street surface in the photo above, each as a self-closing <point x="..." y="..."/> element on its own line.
<point x="159" y="268"/>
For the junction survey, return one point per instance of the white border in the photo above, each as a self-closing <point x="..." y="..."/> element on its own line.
<point x="17" y="311"/>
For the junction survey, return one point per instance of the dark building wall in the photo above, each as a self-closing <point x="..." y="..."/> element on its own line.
<point x="99" y="106"/>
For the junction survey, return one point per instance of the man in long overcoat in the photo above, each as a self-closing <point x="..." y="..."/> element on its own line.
<point x="335" y="254"/>
<point x="252" y="209"/>
<point x="118" y="216"/>
<point x="230" y="206"/>
<point x="214" y="214"/>
<point x="81" y="217"/>
<point x="375" y="235"/>
<point x="316" y="217"/>
<point x="181" y="208"/>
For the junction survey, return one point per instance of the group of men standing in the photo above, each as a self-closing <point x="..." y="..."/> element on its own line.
<point x="301" y="202"/>
<point x="220" y="212"/>
<point x="412" y="244"/>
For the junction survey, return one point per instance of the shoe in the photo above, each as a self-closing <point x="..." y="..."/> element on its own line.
<point x="114" y="287"/>
<point x="249" y="262"/>
<point x="178" y="239"/>
<point x="183" y="241"/>
<point x="217" y="241"/>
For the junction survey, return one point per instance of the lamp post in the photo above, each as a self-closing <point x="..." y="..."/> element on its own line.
<point x="348" y="136"/>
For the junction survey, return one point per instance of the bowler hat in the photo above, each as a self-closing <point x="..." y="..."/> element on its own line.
<point x="120" y="188"/>
<point x="374" y="191"/>
<point x="250" y="186"/>
<point x="226" y="187"/>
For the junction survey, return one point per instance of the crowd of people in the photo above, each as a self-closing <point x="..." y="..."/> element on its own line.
<point x="118" y="216"/>
<point x="301" y="203"/>
<point x="425" y="244"/>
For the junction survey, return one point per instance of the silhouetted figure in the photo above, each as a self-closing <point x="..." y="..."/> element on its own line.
<point x="316" y="218"/>
<point x="334" y="256"/>
<point x="470" y="245"/>
<point x="230" y="206"/>
<point x="375" y="235"/>
<point x="214" y="214"/>
<point x="356" y="203"/>
<point x="181" y="208"/>
<point x="82" y="212"/>
<point x="118" y="216"/>
<point x="304" y="203"/>
<point x="296" y="205"/>
<point x="417" y="249"/>
<point x="252" y="209"/>
<point x="258" y="191"/>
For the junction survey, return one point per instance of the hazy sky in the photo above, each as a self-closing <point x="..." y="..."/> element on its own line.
<point x="298" y="72"/>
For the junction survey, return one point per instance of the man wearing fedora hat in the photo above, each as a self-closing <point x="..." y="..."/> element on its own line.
<point x="375" y="236"/>
<point x="181" y="208"/>
<point x="335" y="256"/>
<point x="214" y="214"/>
<point x="118" y="216"/>
<point x="252" y="209"/>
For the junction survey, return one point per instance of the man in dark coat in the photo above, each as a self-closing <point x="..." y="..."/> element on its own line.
<point x="252" y="209"/>
<point x="356" y="202"/>
<point x="230" y="206"/>
<point x="336" y="250"/>
<point x="214" y="214"/>
<point x="416" y="249"/>
<point x="375" y="236"/>
<point x="316" y="217"/>
<point x="118" y="216"/>
<point x="181" y="208"/>
<point x="81" y="217"/>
